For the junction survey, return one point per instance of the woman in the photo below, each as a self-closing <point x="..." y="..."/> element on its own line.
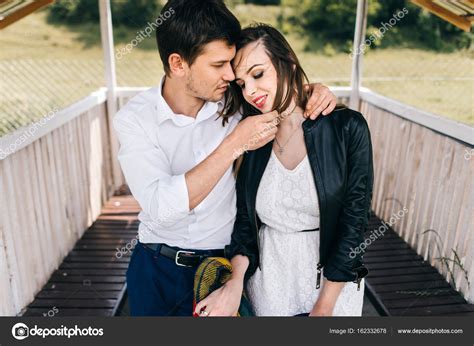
<point x="303" y="199"/>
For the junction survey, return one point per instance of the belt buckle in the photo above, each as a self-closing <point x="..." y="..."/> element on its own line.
<point x="177" y="257"/>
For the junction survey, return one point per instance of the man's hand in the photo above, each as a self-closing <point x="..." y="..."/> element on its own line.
<point x="254" y="132"/>
<point x="224" y="301"/>
<point x="321" y="100"/>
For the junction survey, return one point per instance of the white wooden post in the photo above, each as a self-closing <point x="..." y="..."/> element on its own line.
<point x="106" y="32"/>
<point x="357" y="55"/>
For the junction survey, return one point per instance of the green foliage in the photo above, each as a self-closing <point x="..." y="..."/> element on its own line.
<point x="137" y="13"/>
<point x="130" y="13"/>
<point x="263" y="2"/>
<point x="327" y="21"/>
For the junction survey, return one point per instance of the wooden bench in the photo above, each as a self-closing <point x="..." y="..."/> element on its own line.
<point x="401" y="283"/>
<point x="91" y="279"/>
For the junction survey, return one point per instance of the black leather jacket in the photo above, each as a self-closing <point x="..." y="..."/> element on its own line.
<point x="340" y="154"/>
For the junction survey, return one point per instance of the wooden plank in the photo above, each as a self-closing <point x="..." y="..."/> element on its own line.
<point x="100" y="241"/>
<point x="404" y="278"/>
<point x="433" y="310"/>
<point x="92" y="253"/>
<point x="442" y="12"/>
<point x="69" y="312"/>
<point x="388" y="246"/>
<point x="90" y="272"/>
<point x="79" y="295"/>
<point x="96" y="247"/>
<point x="384" y="259"/>
<point x="83" y="287"/>
<point x="390" y="265"/>
<point x="92" y="265"/>
<point x="411" y="294"/>
<point x="410" y="286"/>
<point x="420" y="301"/>
<point x="374" y="273"/>
<point x="74" y="303"/>
<point x="69" y="259"/>
<point x="22" y="11"/>
<point x="92" y="278"/>
<point x="390" y="252"/>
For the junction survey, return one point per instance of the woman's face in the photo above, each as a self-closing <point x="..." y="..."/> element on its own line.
<point x="256" y="76"/>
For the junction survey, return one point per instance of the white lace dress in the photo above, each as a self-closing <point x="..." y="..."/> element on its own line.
<point x="287" y="203"/>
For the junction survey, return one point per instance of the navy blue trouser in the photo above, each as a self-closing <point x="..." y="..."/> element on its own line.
<point x="157" y="286"/>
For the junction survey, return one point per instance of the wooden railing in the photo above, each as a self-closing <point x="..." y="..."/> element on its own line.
<point x="53" y="182"/>
<point x="423" y="163"/>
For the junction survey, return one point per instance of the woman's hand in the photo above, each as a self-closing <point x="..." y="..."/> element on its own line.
<point x="327" y="298"/>
<point x="321" y="100"/>
<point x="224" y="301"/>
<point x="320" y="311"/>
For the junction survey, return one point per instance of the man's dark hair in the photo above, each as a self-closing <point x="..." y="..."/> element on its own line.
<point x="190" y="25"/>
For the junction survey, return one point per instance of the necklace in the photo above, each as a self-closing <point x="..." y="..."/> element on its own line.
<point x="281" y="148"/>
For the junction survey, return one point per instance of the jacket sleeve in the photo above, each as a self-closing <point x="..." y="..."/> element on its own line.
<point x="244" y="236"/>
<point x="345" y="262"/>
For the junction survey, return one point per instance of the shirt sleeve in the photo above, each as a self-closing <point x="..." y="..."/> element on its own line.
<point x="163" y="196"/>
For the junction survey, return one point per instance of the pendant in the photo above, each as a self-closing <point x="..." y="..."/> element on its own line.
<point x="280" y="150"/>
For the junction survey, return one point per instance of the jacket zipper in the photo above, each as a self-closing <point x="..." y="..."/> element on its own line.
<point x="258" y="243"/>
<point x="318" y="280"/>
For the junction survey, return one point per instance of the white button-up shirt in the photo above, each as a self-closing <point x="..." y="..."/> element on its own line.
<point x="157" y="148"/>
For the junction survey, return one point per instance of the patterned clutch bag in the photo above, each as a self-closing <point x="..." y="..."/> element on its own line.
<point x="211" y="274"/>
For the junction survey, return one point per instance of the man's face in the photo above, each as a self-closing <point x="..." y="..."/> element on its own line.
<point x="209" y="76"/>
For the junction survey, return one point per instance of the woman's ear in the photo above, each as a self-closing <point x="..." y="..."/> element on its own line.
<point x="177" y="64"/>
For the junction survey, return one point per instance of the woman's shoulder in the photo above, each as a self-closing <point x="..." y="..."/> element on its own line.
<point x="346" y="115"/>
<point x="343" y="118"/>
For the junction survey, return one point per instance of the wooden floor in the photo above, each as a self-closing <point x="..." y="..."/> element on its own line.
<point x="91" y="279"/>
<point x="400" y="283"/>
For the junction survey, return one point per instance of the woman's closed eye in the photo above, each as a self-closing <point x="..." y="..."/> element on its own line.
<point x="241" y="83"/>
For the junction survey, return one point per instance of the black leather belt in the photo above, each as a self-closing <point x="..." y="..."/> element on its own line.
<point x="304" y="230"/>
<point x="184" y="258"/>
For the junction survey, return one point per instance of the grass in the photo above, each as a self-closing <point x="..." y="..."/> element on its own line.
<point x="45" y="66"/>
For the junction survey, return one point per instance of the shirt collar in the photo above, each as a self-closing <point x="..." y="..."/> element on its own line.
<point x="164" y="112"/>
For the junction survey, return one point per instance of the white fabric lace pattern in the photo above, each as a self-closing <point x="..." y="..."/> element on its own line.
<point x="287" y="203"/>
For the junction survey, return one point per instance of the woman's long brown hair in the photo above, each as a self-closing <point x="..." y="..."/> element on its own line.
<point x="291" y="77"/>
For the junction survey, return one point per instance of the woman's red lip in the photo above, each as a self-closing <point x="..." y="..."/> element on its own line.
<point x="260" y="101"/>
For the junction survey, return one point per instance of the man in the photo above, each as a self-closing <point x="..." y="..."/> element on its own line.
<point x="177" y="155"/>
